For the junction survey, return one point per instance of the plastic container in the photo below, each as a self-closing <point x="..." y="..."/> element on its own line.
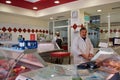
<point x="95" y="76"/>
<point x="21" y="45"/>
<point x="31" y="44"/>
<point x="76" y="78"/>
<point x="76" y="75"/>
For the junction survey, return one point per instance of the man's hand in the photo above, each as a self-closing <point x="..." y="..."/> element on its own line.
<point x="91" y="56"/>
<point x="87" y="56"/>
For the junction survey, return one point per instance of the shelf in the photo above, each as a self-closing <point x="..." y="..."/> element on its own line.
<point x="11" y="49"/>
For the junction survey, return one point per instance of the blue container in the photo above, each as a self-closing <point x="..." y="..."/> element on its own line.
<point x="31" y="44"/>
<point x="22" y="45"/>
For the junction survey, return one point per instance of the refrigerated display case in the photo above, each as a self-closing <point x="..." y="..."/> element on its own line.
<point x="66" y="72"/>
<point x="13" y="62"/>
<point x="46" y="48"/>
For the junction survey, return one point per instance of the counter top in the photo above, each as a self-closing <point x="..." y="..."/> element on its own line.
<point x="61" y="72"/>
<point x="11" y="49"/>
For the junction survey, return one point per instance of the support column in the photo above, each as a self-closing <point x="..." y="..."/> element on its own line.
<point x="77" y="18"/>
<point x="108" y="26"/>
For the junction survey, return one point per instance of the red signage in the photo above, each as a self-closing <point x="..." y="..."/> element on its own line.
<point x="32" y="36"/>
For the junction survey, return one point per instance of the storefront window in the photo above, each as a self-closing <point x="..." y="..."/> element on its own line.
<point x="114" y="25"/>
<point x="61" y="23"/>
<point x="61" y="26"/>
<point x="104" y="25"/>
<point x="104" y="28"/>
<point x="50" y="30"/>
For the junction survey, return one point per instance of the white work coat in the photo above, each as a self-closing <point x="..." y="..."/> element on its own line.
<point x="54" y="41"/>
<point x="81" y="46"/>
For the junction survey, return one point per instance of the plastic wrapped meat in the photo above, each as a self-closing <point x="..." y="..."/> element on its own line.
<point x="110" y="65"/>
<point x="108" y="60"/>
<point x="4" y="67"/>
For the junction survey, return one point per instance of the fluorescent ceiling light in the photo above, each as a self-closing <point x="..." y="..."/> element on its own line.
<point x="108" y="16"/>
<point x="8" y="2"/>
<point x="57" y="2"/>
<point x="32" y="1"/>
<point x="99" y="10"/>
<point x="51" y="18"/>
<point x="35" y="8"/>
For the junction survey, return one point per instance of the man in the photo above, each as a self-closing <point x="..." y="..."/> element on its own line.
<point x="20" y="38"/>
<point x="57" y="39"/>
<point x="82" y="48"/>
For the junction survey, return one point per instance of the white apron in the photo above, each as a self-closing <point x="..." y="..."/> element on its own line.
<point x="80" y="46"/>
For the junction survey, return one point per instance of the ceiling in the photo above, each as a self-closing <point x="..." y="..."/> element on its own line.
<point x="40" y="4"/>
<point x="112" y="8"/>
<point x="106" y="8"/>
<point x="58" y="16"/>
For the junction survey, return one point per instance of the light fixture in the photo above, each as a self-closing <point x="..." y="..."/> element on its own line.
<point x="8" y="2"/>
<point x="56" y="1"/>
<point x="108" y="16"/>
<point x="35" y="8"/>
<point x="32" y="1"/>
<point x="99" y="10"/>
<point x="51" y="18"/>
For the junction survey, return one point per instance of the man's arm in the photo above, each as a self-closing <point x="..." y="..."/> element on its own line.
<point x="91" y="47"/>
<point x="91" y="54"/>
<point x="75" y="47"/>
<point x="85" y="56"/>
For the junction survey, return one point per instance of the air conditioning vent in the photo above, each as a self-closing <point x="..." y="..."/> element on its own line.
<point x="116" y="7"/>
<point x="60" y="16"/>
